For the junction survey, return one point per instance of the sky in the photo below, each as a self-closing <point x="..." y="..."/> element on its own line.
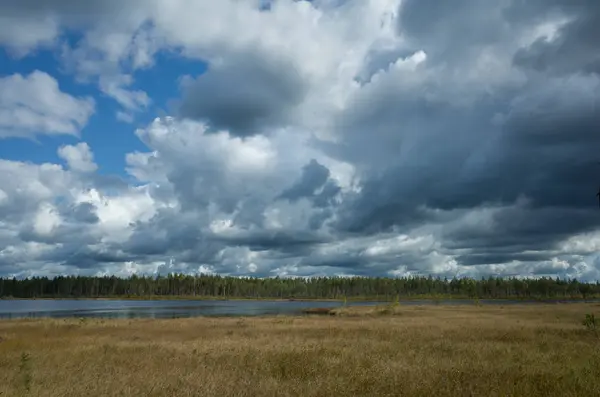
<point x="295" y="138"/>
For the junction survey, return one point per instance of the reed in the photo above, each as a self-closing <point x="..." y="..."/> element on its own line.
<point x="392" y="350"/>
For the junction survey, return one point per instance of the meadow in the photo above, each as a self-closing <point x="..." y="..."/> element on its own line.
<point x="393" y="350"/>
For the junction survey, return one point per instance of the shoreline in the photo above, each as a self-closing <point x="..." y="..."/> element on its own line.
<point x="439" y="299"/>
<point x="386" y="309"/>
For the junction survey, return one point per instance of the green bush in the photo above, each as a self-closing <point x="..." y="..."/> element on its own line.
<point x="590" y="323"/>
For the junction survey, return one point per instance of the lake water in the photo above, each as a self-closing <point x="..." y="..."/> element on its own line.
<point x="155" y="309"/>
<point x="183" y="308"/>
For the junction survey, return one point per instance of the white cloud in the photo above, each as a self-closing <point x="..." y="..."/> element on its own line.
<point x="79" y="157"/>
<point x="379" y="137"/>
<point x="46" y="220"/>
<point x="34" y="104"/>
<point x="124" y="117"/>
<point x="3" y="196"/>
<point x="129" y="99"/>
<point x="116" y="214"/>
<point x="21" y="34"/>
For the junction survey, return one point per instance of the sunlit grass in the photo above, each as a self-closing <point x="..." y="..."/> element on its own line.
<point x="392" y="350"/>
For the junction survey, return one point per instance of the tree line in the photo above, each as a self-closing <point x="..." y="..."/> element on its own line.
<point x="180" y="285"/>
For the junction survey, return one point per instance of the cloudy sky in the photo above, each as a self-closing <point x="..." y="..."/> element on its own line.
<point x="298" y="138"/>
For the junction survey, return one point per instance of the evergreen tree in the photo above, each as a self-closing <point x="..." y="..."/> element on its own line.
<point x="298" y="288"/>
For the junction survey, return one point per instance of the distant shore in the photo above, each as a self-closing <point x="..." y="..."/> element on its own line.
<point x="434" y="298"/>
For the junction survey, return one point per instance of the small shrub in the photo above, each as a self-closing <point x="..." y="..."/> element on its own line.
<point x="590" y="323"/>
<point x="390" y="309"/>
<point x="386" y="311"/>
<point x="25" y="371"/>
<point x="320" y="310"/>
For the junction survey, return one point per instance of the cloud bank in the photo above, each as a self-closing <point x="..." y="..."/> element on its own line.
<point x="352" y="137"/>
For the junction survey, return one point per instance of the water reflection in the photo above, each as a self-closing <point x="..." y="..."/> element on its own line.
<point x="129" y="309"/>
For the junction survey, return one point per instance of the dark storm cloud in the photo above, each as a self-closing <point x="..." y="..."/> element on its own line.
<point x="28" y="23"/>
<point x="575" y="49"/>
<point x="450" y="31"/>
<point x="89" y="259"/>
<point x="292" y="241"/>
<point x="69" y="7"/>
<point x="166" y="233"/>
<point x="523" y="226"/>
<point x="83" y="256"/>
<point x="353" y="261"/>
<point x="71" y="234"/>
<point x="379" y="207"/>
<point x="85" y="212"/>
<point x="7" y="268"/>
<point x="347" y="261"/>
<point x="314" y="175"/>
<point x="426" y="18"/>
<point x="317" y="220"/>
<point x="545" y="152"/>
<point x="538" y="141"/>
<point x="187" y="183"/>
<point x="250" y="213"/>
<point x="497" y="259"/>
<point x="243" y="102"/>
<point x="484" y="127"/>
<point x="377" y="61"/>
<point x="325" y="198"/>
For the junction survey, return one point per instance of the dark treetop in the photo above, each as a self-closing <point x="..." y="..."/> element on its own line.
<point x="300" y="288"/>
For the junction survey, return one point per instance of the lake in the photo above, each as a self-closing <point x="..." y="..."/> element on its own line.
<point x="10" y="309"/>
<point x="155" y="308"/>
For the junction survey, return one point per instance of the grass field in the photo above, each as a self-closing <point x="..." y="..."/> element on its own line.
<point x="528" y="350"/>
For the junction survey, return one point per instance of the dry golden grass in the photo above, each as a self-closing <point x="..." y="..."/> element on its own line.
<point x="541" y="350"/>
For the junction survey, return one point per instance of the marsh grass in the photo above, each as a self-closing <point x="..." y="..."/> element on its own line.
<point x="393" y="350"/>
<point x="591" y="323"/>
<point x="25" y="372"/>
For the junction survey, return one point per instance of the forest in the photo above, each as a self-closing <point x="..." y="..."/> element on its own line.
<point x="225" y="287"/>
